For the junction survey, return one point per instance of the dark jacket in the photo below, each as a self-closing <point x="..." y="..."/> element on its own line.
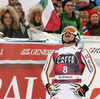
<point x="14" y="33"/>
<point x="89" y="7"/>
<point x="94" y="30"/>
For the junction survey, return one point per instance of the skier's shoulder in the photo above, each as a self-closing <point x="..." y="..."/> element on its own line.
<point x="85" y="51"/>
<point x="57" y="50"/>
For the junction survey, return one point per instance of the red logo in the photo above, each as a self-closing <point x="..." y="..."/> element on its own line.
<point x="95" y="94"/>
<point x="86" y="56"/>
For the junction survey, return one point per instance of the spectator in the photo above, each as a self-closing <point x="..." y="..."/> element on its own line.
<point x="85" y="5"/>
<point x="55" y="4"/>
<point x="69" y="17"/>
<point x="93" y="25"/>
<point x="97" y="9"/>
<point x="12" y="1"/>
<point x="22" y="22"/>
<point x="55" y="1"/>
<point x="96" y="1"/>
<point x="84" y="16"/>
<point x="34" y="19"/>
<point x="9" y="23"/>
<point x="75" y="7"/>
<point x="36" y="30"/>
<point x="59" y="6"/>
<point x="17" y="6"/>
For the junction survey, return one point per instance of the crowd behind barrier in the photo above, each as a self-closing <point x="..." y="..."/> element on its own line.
<point x="87" y="25"/>
<point x="14" y="25"/>
<point x="32" y="28"/>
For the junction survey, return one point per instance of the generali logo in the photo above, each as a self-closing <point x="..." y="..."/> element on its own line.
<point x="1" y="51"/>
<point x="14" y="85"/>
<point x="94" y="50"/>
<point x="35" y="51"/>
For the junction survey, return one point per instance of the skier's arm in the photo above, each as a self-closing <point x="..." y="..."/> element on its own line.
<point x="89" y="62"/>
<point x="49" y="64"/>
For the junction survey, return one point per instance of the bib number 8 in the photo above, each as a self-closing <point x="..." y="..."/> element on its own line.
<point x="65" y="69"/>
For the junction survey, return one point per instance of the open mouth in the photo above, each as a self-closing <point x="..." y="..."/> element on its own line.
<point x="67" y="36"/>
<point x="8" y="21"/>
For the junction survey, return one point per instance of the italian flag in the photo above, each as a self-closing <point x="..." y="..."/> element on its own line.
<point x="49" y="17"/>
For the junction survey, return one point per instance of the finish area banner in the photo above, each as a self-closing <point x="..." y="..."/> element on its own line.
<point x="34" y="52"/>
<point x="21" y="64"/>
<point x="20" y="70"/>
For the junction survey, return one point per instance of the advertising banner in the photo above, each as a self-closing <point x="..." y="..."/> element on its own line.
<point x="20" y="71"/>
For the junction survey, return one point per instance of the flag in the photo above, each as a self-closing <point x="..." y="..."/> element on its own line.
<point x="85" y="31"/>
<point x="49" y="17"/>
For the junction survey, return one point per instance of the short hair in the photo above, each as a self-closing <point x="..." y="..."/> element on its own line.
<point x="83" y="13"/>
<point x="96" y="8"/>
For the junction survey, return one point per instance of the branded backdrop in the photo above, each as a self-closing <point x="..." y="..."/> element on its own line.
<point x="20" y="71"/>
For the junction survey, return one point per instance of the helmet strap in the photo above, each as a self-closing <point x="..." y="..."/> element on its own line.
<point x="73" y="41"/>
<point x="68" y="42"/>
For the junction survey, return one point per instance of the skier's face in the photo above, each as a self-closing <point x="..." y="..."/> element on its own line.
<point x="68" y="37"/>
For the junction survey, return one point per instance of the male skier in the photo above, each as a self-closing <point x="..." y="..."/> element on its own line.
<point x="68" y="63"/>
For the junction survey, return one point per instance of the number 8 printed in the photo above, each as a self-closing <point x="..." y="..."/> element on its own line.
<point x="65" y="69"/>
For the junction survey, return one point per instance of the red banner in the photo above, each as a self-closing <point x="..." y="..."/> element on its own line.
<point x="25" y="51"/>
<point x="22" y="80"/>
<point x="20" y="71"/>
